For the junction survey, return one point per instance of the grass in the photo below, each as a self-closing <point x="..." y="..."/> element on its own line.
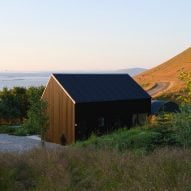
<point x="137" y="139"/>
<point x="156" y="156"/>
<point x="90" y="169"/>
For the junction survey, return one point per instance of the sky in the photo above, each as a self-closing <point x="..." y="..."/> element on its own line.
<point x="53" y="35"/>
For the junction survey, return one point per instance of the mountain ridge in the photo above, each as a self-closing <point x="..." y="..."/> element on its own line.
<point x="167" y="72"/>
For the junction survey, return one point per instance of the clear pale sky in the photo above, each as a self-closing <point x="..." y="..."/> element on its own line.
<point x="40" y="35"/>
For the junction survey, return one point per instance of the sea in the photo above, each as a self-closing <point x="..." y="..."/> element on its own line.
<point x="28" y="79"/>
<point x="23" y="79"/>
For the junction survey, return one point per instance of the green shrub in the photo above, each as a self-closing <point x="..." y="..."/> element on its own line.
<point x="175" y="129"/>
<point x="146" y="138"/>
<point x="164" y="125"/>
<point x="182" y="126"/>
<point x="21" y="131"/>
<point x="38" y="120"/>
<point x="7" y="129"/>
<point x="124" y="139"/>
<point x="14" y="130"/>
<point x="15" y="103"/>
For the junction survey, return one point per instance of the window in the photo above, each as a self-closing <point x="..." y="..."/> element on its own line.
<point x="139" y="119"/>
<point x="101" y="122"/>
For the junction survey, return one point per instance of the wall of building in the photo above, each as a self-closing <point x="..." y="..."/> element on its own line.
<point x="104" y="117"/>
<point x="61" y="110"/>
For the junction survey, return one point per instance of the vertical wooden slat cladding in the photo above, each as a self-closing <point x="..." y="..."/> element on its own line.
<point x="61" y="113"/>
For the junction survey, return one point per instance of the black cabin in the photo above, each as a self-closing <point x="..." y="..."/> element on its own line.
<point x="104" y="102"/>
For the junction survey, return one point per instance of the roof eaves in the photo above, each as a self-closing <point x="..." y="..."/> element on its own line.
<point x="63" y="89"/>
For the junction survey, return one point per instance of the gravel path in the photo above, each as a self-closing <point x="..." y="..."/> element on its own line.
<point x="10" y="143"/>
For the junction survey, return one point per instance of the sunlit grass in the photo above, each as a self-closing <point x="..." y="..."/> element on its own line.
<point x="90" y="169"/>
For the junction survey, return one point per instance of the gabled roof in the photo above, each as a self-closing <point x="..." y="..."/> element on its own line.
<point x="84" y="88"/>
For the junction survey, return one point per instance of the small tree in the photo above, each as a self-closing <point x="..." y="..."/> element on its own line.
<point x="185" y="97"/>
<point x="182" y="120"/>
<point x="182" y="126"/>
<point x="38" y="120"/>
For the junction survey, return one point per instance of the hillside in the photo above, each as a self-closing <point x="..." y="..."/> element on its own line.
<point x="167" y="72"/>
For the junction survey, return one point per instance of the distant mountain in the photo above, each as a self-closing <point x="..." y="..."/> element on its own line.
<point x="167" y="72"/>
<point x="132" y="71"/>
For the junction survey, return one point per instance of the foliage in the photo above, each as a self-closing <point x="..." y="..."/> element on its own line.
<point x="185" y="98"/>
<point x="168" y="130"/>
<point x="88" y="169"/>
<point x="37" y="121"/>
<point x="136" y="139"/>
<point x="25" y="105"/>
<point x="182" y="121"/>
<point x="21" y="131"/>
<point x="182" y="126"/>
<point x="182" y="96"/>
<point x="175" y="128"/>
<point x="9" y="105"/>
<point x="164" y="125"/>
<point x="14" y="103"/>
<point x="164" y="120"/>
<point x="7" y="129"/>
<point x="14" y="130"/>
<point x="21" y="101"/>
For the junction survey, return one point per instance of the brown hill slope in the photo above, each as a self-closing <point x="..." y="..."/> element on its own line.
<point x="167" y="72"/>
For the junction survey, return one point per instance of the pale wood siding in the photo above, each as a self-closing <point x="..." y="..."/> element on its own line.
<point x="61" y="110"/>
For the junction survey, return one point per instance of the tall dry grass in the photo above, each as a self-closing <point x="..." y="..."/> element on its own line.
<point x="88" y="169"/>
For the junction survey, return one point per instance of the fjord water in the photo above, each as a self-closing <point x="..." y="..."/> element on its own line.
<point x="10" y="80"/>
<point x="23" y="79"/>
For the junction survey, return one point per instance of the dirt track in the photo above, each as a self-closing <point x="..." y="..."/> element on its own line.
<point x="160" y="86"/>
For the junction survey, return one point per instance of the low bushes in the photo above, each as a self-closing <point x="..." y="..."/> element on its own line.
<point x="123" y="139"/>
<point x="7" y="129"/>
<point x="167" y="130"/>
<point x="14" y="130"/>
